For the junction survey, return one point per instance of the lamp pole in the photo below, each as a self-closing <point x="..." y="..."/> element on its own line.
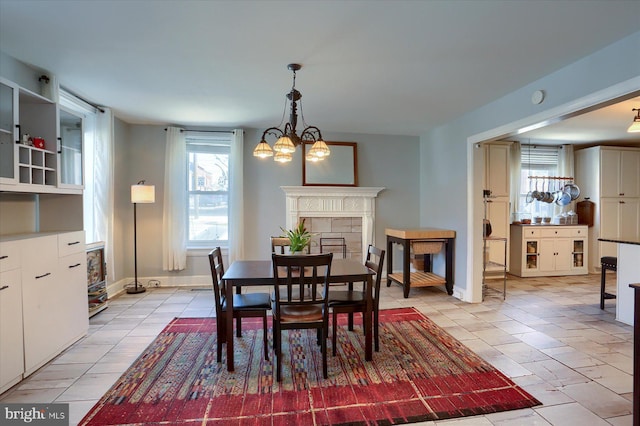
<point x="135" y="289"/>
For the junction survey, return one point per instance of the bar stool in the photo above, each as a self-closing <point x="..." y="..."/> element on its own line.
<point x="607" y="263"/>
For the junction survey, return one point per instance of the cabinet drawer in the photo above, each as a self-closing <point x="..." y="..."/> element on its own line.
<point x="9" y="255"/>
<point x="555" y="232"/>
<point x="531" y="233"/>
<point x="71" y="242"/>
<point x="579" y="232"/>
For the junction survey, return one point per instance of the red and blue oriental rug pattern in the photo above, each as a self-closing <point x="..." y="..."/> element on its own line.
<point x="421" y="373"/>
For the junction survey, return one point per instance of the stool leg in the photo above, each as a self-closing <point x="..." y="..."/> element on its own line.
<point x="602" y="279"/>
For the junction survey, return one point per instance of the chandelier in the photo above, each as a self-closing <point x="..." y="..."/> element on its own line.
<point x="635" y="125"/>
<point x="287" y="138"/>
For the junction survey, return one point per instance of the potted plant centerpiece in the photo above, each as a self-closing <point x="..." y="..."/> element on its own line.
<point x="299" y="238"/>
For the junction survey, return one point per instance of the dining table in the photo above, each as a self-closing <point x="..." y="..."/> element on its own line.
<point x="260" y="273"/>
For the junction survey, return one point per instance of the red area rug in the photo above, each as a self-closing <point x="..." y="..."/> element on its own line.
<point x="421" y="373"/>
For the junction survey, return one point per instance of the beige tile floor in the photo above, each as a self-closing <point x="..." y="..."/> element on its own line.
<point x="549" y="336"/>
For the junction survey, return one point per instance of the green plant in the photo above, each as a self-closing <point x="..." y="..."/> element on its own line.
<point x="299" y="237"/>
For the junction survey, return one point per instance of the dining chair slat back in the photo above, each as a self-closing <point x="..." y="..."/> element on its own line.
<point x="301" y="286"/>
<point x="250" y="305"/>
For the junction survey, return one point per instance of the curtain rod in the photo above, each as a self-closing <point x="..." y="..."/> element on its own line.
<point x="96" y="106"/>
<point x="204" y="131"/>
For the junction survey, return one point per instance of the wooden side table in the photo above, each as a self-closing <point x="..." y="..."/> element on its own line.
<point x="407" y="279"/>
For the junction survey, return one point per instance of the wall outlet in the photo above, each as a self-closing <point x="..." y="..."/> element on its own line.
<point x="154" y="283"/>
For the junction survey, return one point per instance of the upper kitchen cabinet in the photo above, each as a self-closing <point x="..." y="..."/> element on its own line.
<point x="71" y="151"/>
<point x="620" y="173"/>
<point x="35" y="158"/>
<point x="8" y="132"/>
<point x="497" y="168"/>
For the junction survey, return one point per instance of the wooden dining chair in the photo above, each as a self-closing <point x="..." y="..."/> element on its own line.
<point x="248" y="305"/>
<point x="351" y="301"/>
<point x="298" y="306"/>
<point x="279" y="245"/>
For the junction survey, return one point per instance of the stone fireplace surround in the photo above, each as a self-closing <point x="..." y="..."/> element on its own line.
<point x="333" y="202"/>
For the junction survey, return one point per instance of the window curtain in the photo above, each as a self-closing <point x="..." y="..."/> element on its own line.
<point x="174" y="213"/>
<point x="103" y="183"/>
<point x="236" y="202"/>
<point x="565" y="169"/>
<point x="515" y="178"/>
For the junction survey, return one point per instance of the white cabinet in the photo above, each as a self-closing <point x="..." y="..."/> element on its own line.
<point x="53" y="303"/>
<point x="610" y="177"/>
<point x="497" y="181"/>
<point x="620" y="173"/>
<point x="8" y="132"/>
<point x="548" y="250"/>
<point x="71" y="151"/>
<point x="619" y="219"/>
<point x="51" y="165"/>
<point x="12" y="352"/>
<point x="498" y="169"/>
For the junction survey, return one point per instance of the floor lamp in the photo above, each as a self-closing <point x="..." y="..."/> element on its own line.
<point x="140" y="193"/>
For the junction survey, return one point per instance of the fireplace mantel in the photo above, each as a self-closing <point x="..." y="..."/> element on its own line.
<point x="332" y="201"/>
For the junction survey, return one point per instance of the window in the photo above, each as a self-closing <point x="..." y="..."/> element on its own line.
<point x="541" y="161"/>
<point x="208" y="189"/>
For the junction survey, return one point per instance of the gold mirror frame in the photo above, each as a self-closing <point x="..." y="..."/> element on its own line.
<point x="338" y="169"/>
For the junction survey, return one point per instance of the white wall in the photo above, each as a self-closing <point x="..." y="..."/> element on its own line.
<point x="451" y="169"/>
<point x="388" y="161"/>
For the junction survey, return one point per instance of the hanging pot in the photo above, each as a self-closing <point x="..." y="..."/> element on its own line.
<point x="573" y="191"/>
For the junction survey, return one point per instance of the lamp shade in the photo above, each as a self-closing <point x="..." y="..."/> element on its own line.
<point x="143" y="193"/>
<point x="635" y="126"/>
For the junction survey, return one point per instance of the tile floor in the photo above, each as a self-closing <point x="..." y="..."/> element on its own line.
<point x="549" y="336"/>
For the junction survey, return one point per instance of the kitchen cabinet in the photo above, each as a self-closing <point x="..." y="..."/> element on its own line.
<point x="53" y="303"/>
<point x="8" y="132"/>
<point x="497" y="181"/>
<point x="609" y="176"/>
<point x="548" y="250"/>
<point x="53" y="167"/>
<point x="620" y="219"/>
<point x="620" y="173"/>
<point x="12" y="353"/>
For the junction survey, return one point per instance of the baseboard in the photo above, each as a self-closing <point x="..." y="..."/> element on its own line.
<point x="119" y="287"/>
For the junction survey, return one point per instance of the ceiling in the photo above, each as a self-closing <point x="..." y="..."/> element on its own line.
<point x="379" y="67"/>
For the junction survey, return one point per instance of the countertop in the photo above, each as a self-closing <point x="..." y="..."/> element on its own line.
<point x="418" y="233"/>
<point x="609" y="240"/>
<point x="544" y="225"/>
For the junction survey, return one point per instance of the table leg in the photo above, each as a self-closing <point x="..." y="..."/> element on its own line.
<point x="389" y="260"/>
<point x="368" y="322"/>
<point x="229" y="313"/>
<point x="406" y="272"/>
<point x="449" y="266"/>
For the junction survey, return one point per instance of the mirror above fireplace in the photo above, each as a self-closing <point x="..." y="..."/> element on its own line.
<point x="338" y="169"/>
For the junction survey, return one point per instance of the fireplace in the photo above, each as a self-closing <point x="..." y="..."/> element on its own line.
<point x="352" y="207"/>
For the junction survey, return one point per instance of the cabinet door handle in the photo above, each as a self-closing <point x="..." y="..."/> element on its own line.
<point x="43" y="275"/>
<point x="621" y="194"/>
<point x="74" y="266"/>
<point x="621" y="202"/>
<point x="73" y="243"/>
<point x="19" y="133"/>
<point x="3" y="257"/>
<point x="4" y="287"/>
<point x="60" y="145"/>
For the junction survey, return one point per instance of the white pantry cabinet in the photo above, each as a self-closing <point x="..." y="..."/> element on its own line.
<point x="11" y="343"/>
<point x="548" y="250"/>
<point x="497" y="180"/>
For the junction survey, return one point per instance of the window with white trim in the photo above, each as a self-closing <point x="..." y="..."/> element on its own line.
<point x="208" y="189"/>
<point x="541" y="161"/>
